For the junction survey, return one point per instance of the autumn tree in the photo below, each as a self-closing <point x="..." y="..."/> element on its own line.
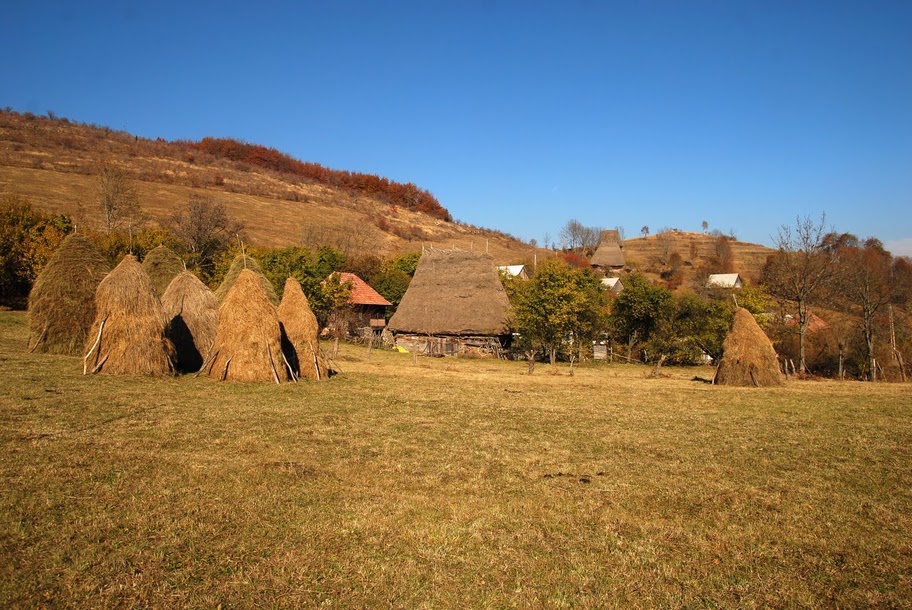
<point x="800" y="270"/>
<point x="638" y="310"/>
<point x="116" y="196"/>
<point x="558" y="305"/>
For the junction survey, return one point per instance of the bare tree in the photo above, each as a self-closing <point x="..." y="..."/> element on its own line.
<point x="575" y="234"/>
<point x="117" y="198"/>
<point x="206" y="229"/>
<point x="800" y="270"/>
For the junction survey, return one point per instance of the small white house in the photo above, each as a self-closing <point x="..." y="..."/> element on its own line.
<point x="514" y="271"/>
<point x="613" y="284"/>
<point x="724" y="280"/>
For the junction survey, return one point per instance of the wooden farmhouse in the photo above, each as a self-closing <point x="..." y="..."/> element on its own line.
<point x="368" y="305"/>
<point x="454" y="304"/>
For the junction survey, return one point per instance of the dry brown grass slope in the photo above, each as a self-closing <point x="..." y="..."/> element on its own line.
<point x="52" y="163"/>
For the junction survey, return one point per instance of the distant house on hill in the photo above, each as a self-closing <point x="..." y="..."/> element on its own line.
<point x="514" y="271"/>
<point x="609" y="256"/>
<point x="612" y="284"/>
<point x="368" y="304"/>
<point x="724" y="280"/>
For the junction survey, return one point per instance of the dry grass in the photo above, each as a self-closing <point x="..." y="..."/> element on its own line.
<point x="451" y="484"/>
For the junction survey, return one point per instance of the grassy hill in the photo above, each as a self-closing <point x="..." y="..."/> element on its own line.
<point x="53" y="164"/>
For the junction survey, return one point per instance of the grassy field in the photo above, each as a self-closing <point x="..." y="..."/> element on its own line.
<point x="452" y="483"/>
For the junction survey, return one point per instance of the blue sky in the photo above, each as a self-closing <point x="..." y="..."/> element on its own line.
<point x="518" y="116"/>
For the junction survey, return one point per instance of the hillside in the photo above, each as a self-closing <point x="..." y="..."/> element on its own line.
<point x="52" y="163"/>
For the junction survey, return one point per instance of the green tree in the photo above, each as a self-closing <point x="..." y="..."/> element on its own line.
<point x="638" y="310"/>
<point x="559" y="305"/>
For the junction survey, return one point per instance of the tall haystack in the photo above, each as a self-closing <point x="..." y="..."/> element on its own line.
<point x="61" y="306"/>
<point x="162" y="265"/>
<point x="748" y="357"/>
<point x="301" y="331"/>
<point x="128" y="334"/>
<point x="241" y="262"/>
<point x="248" y="345"/>
<point x="457" y="298"/>
<point x="192" y="313"/>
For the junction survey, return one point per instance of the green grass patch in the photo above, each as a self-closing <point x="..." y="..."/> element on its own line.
<point x="452" y="483"/>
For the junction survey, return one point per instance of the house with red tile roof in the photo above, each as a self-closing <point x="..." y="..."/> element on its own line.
<point x="368" y="304"/>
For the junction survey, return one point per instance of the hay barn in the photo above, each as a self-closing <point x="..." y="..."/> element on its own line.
<point x="192" y="314"/>
<point x="454" y="304"/>
<point x="241" y="262"/>
<point x="301" y="331"/>
<point x="61" y="305"/>
<point x="748" y="356"/>
<point x="609" y="256"/>
<point x="248" y="344"/>
<point x="162" y="265"/>
<point x="127" y="336"/>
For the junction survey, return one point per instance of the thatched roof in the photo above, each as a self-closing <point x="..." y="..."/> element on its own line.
<point x="192" y="313"/>
<point x="61" y="306"/>
<point x="748" y="357"/>
<point x="300" y="339"/>
<point x="162" y="265"/>
<point x="241" y="262"/>
<point x="127" y="336"/>
<point x="453" y="293"/>
<point x="608" y="253"/>
<point x="248" y="345"/>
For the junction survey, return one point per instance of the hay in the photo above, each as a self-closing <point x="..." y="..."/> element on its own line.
<point x="248" y="345"/>
<point x="162" y="265"/>
<point x="192" y="313"/>
<point x="61" y="305"/>
<point x="128" y="334"/>
<point x="748" y="357"/>
<point x="301" y="331"/>
<point x="454" y="293"/>
<point x="241" y="262"/>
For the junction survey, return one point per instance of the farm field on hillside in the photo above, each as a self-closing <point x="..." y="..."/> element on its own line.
<point x="450" y="483"/>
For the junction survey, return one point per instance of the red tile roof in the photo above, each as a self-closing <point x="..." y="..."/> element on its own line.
<point x="361" y="293"/>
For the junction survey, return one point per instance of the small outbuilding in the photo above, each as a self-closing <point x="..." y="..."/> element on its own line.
<point x="612" y="284"/>
<point x="519" y="272"/>
<point x="725" y="280"/>
<point x="368" y="305"/>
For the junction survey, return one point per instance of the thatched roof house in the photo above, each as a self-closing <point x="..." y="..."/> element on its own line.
<point x="748" y="357"/>
<point x="127" y="336"/>
<point x="248" y="344"/>
<point x="301" y="332"/>
<point x="192" y="313"/>
<point x="61" y="306"/>
<point x="162" y="265"/>
<point x="456" y="297"/>
<point x="609" y="254"/>
<point x="241" y="262"/>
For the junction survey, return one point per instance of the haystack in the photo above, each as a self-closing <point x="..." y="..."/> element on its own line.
<point x="748" y="357"/>
<point x="128" y="334"/>
<point x="248" y="345"/>
<point x="61" y="306"/>
<point x="241" y="262"/>
<point x="162" y="265"/>
<point x="301" y="330"/>
<point x="192" y="313"/>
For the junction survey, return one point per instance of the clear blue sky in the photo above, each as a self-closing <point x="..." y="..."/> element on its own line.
<point x="518" y="116"/>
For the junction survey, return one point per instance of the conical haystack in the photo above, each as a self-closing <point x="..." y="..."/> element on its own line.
<point x="128" y="334"/>
<point x="301" y="331"/>
<point x="162" y="265"/>
<point x="241" y="262"/>
<point x="748" y="357"/>
<point x="61" y="306"/>
<point x="248" y="345"/>
<point x="192" y="313"/>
